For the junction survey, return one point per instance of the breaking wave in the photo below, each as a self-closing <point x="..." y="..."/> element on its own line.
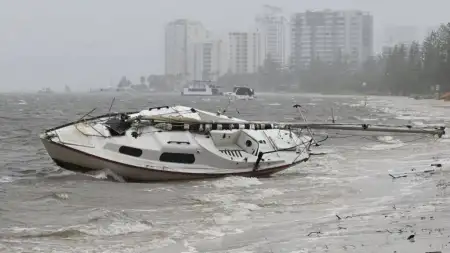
<point x="102" y="223"/>
<point x="107" y="174"/>
<point x="236" y="181"/>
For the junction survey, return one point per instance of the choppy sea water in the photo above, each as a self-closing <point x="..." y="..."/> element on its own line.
<point x="341" y="201"/>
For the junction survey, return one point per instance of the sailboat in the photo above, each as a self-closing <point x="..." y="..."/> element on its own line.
<point x="183" y="143"/>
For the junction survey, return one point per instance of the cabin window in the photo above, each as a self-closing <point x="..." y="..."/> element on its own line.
<point x="177" y="158"/>
<point x="130" y="151"/>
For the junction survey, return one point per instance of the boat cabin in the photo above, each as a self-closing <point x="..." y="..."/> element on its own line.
<point x="200" y="87"/>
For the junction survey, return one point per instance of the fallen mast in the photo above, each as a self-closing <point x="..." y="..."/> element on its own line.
<point x="257" y="125"/>
<point x="439" y="131"/>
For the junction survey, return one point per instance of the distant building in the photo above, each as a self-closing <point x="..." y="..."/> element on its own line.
<point x="210" y="60"/>
<point x="180" y="35"/>
<point x="327" y="35"/>
<point x="246" y="52"/>
<point x="273" y="27"/>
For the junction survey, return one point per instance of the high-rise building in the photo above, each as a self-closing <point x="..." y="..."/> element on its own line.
<point x="328" y="35"/>
<point x="273" y="27"/>
<point x="246" y="52"/>
<point x="181" y="35"/>
<point x="210" y="60"/>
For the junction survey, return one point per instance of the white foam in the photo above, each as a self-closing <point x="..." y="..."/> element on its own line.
<point x="410" y="117"/>
<point x="6" y="179"/>
<point x="217" y="232"/>
<point x="107" y="223"/>
<point x="212" y="233"/>
<point x="365" y="119"/>
<point x="222" y="219"/>
<point x="189" y="248"/>
<point x="410" y="109"/>
<point x="247" y="206"/>
<point x="106" y="174"/>
<point x="22" y="102"/>
<point x="115" y="228"/>
<point x="160" y="189"/>
<point x="235" y="181"/>
<point x="266" y="193"/>
<point x="61" y="195"/>
<point x="378" y="147"/>
<point x="216" y="198"/>
<point x="388" y="139"/>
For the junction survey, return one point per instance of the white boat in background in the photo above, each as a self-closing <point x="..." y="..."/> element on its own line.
<point x="201" y="88"/>
<point x="45" y="91"/>
<point x="174" y="143"/>
<point x="241" y="93"/>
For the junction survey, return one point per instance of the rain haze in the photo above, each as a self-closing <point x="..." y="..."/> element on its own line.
<point x="85" y="44"/>
<point x="188" y="126"/>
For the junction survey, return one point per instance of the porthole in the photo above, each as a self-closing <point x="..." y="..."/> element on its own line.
<point x="136" y="152"/>
<point x="177" y="158"/>
<point x="248" y="143"/>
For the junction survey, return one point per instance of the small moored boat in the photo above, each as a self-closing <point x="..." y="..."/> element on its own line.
<point x="201" y="88"/>
<point x="241" y="93"/>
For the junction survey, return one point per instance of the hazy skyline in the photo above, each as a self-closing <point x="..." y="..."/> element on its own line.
<point x="51" y="43"/>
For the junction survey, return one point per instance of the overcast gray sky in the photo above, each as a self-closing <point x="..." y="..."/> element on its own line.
<point x="90" y="43"/>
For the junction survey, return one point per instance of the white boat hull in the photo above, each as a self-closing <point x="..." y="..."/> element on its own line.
<point x="191" y="93"/>
<point x="201" y="89"/>
<point x="164" y="155"/>
<point x="76" y="161"/>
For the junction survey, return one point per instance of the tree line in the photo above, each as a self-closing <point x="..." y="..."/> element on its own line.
<point x="412" y="69"/>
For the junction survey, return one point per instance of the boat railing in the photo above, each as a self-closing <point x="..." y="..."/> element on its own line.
<point x="261" y="154"/>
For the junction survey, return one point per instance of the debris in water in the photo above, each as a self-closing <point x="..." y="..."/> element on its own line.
<point x="442" y="184"/>
<point x="317" y="233"/>
<point x="411" y="238"/>
<point x="419" y="173"/>
<point x="436" y="165"/>
<point x="395" y="177"/>
<point x="399" y="231"/>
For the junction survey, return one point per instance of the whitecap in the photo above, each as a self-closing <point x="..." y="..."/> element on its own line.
<point x="6" y="179"/>
<point x="378" y="147"/>
<point x="236" y="181"/>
